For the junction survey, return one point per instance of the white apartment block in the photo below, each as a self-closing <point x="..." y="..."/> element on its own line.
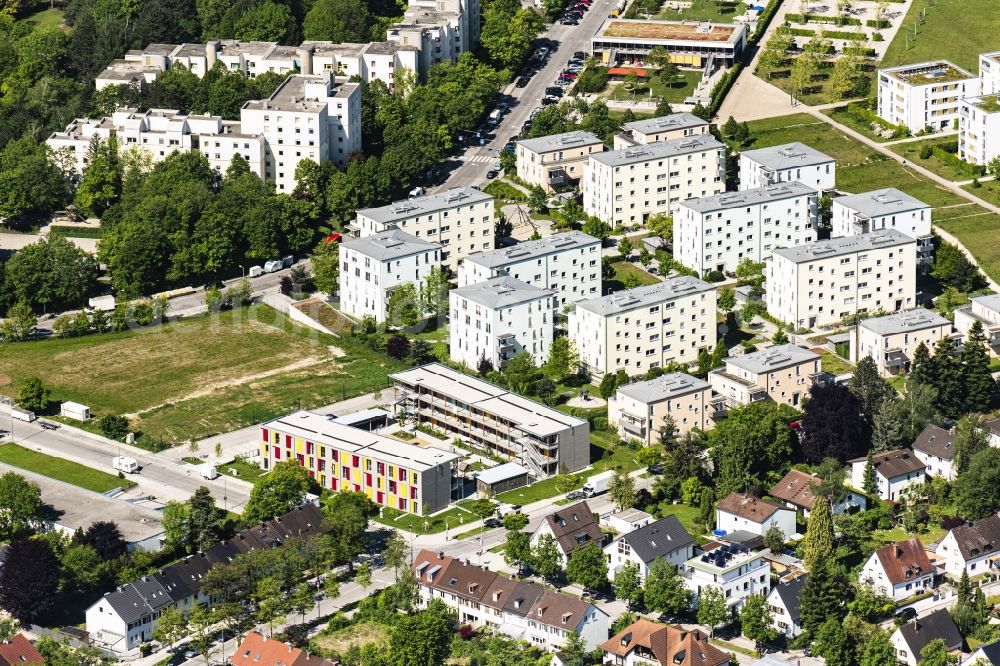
<point x="567" y="263"/>
<point x="624" y="187"/>
<point x="645" y="327"/>
<point x="459" y="219"/>
<point x="733" y="569"/>
<point x="638" y="410"/>
<point x="307" y="117"/>
<point x="372" y="267"/>
<point x="821" y="283"/>
<point x="924" y="95"/>
<point x="985" y="310"/>
<point x="716" y="233"/>
<point x="782" y="374"/>
<point x="498" y="319"/>
<point x="786" y="163"/>
<point x="888" y="208"/>
<point x="891" y="340"/>
<point x="157" y="133"/>
<point x="664" y="128"/>
<point x="989" y="73"/>
<point x="556" y="161"/>
<point x="979" y="129"/>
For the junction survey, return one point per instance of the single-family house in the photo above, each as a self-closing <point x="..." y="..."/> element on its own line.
<point x="255" y="650"/>
<point x="783" y="602"/>
<point x="644" y="643"/>
<point x="899" y="570"/>
<point x="627" y="520"/>
<point x="985" y="654"/>
<point x="909" y="639"/>
<point x="973" y="548"/>
<point x="796" y="490"/>
<point x="740" y="511"/>
<point x="935" y="447"/>
<point x="895" y="471"/>
<point x="664" y="538"/>
<point x="19" y="650"/>
<point x="572" y="527"/>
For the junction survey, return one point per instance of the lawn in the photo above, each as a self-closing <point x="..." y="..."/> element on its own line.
<point x="833" y="364"/>
<point x="687" y="515"/>
<point x="933" y="534"/>
<point x="200" y="376"/>
<point x="841" y="115"/>
<point x="978" y="233"/>
<point x="701" y="10"/>
<point x="956" y="30"/>
<point x="354" y="636"/>
<point x="988" y="190"/>
<point x="911" y="151"/>
<point x="676" y="92"/>
<point x="48" y="18"/>
<point x="452" y="518"/>
<point x="241" y="469"/>
<point x="623" y="268"/>
<point x="66" y="471"/>
<point x="811" y="131"/>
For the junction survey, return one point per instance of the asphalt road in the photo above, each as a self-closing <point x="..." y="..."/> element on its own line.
<point x="477" y="160"/>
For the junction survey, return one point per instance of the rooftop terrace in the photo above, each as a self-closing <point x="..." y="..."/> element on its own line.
<point x="669" y="30"/>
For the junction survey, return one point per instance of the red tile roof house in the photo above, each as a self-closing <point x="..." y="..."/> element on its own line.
<point x="524" y="611"/>
<point x="899" y="570"/>
<point x="796" y="490"/>
<point x="255" y="650"/>
<point x="19" y="650"/>
<point x="739" y="511"/>
<point x="643" y="643"/>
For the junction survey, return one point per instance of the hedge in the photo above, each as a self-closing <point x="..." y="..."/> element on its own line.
<point x="763" y="21"/>
<point x="801" y="32"/>
<point x="722" y="87"/>
<point x="869" y="116"/>
<point x="872" y="23"/>
<point x="862" y="51"/>
<point x="815" y="18"/>
<point x="954" y="161"/>
<point x="839" y="34"/>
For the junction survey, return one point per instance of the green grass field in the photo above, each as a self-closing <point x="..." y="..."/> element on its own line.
<point x="676" y="92"/>
<point x="48" y="18"/>
<point x="203" y="375"/>
<point x="701" y="10"/>
<point x="911" y="151"/>
<point x="841" y="115"/>
<point x="955" y="30"/>
<point x="623" y="268"/>
<point x="66" y="471"/>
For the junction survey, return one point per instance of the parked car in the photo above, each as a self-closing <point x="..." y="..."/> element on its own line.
<point x="214" y="284"/>
<point x="549" y="100"/>
<point x="580" y="54"/>
<point x="491" y="174"/>
<point x="493" y="522"/>
<point x="907" y="613"/>
<point x="554" y="90"/>
<point x="655" y="468"/>
<point x="522" y="81"/>
<point x="569" y="21"/>
<point x="568" y="75"/>
<point x="255" y="271"/>
<point x="273" y="266"/>
<point x="287" y="261"/>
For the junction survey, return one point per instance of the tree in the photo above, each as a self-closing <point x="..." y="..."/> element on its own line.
<point x="113" y="427"/>
<point x="921" y="370"/>
<point x="485" y="366"/>
<point x="727" y="299"/>
<point x="970" y="611"/>
<point x="953" y="269"/>
<point x="780" y="337"/>
<point x="832" y="425"/>
<point x="434" y="294"/>
<point x="755" y="619"/>
<point x="277" y="493"/>
<point x="170" y="627"/>
<point x="803" y="71"/>
<point x="421" y="352"/>
<point x="750" y="443"/>
<point x="936" y="653"/>
<point x="879" y="650"/>
<point x="621" y="489"/>
<point x="424" y="638"/>
<point x="627" y="583"/>
<point x="774" y="539"/>
<point x="29" y="580"/>
<point x="325" y="260"/>
<point x="624" y="247"/>
<point x="19" y="324"/>
<point x="608" y="386"/>
<point x="31" y="186"/>
<point x="665" y="591"/>
<point x="822" y="596"/>
<point x="832" y="643"/>
<point x="870" y="483"/>
<point x="841" y="81"/>
<point x="347" y="515"/>
<point x="712" y="608"/>
<point x="870" y="388"/>
<point x="200" y="628"/>
<point x="899" y="422"/>
<point x="545" y="558"/>
<point x="563" y="360"/>
<point x="395" y="553"/>
<point x="948" y="377"/>
<point x="818" y="542"/>
<point x="398" y="346"/>
<point x="204" y="519"/>
<point x="588" y="567"/>
<point x="20" y="506"/>
<point x="403" y="308"/>
<point x="52" y="274"/>
<point x="363" y="576"/>
<point x="517" y="549"/>
<point x="106" y="540"/>
<point x="971" y="437"/>
<point x="977" y="491"/>
<point x="977" y="379"/>
<point x="176" y="526"/>
<point x="337" y="21"/>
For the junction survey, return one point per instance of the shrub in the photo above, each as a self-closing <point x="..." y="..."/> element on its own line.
<point x="925" y="152"/>
<point x="877" y="37"/>
<point x="868" y="116"/>
<point x="601" y="424"/>
<point x="592" y="80"/>
<point x="113" y="427"/>
<point x="722" y="87"/>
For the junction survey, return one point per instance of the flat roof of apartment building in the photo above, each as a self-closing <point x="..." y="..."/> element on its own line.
<point x="319" y="429"/>
<point x="644" y="30"/>
<point x="528" y="416"/>
<point x="986" y="103"/>
<point x="773" y="358"/>
<point x="405" y="209"/>
<point x="988" y="301"/>
<point x="389" y="244"/>
<point x="674" y="121"/>
<point x="658" y="150"/>
<point x="663" y="388"/>
<point x="834" y="247"/>
<point x="291" y="94"/>
<point x="652" y="294"/>
<point x="745" y="198"/>
<point x="787" y="156"/>
<point x="878" y="203"/>
<point x="564" y="141"/>
<point x="502" y="291"/>
<point x="904" y="322"/>
<point x="528" y="250"/>
<point x="928" y="73"/>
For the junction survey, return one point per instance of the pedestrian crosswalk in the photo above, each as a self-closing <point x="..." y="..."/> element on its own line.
<point x="480" y="159"/>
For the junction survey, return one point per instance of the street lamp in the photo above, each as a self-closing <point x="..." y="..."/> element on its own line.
<point x="244" y="271"/>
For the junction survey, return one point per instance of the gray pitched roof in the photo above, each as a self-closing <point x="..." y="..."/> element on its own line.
<point x="658" y="539"/>
<point x="502" y="292"/>
<point x="904" y="322"/>
<point x="978" y="538"/>
<point x="658" y="150"/>
<point x="652" y="294"/>
<point x="389" y="244"/>
<point x="877" y="203"/>
<point x="531" y="249"/>
<point x="921" y="631"/>
<point x="663" y="387"/>
<point x="791" y="595"/>
<point x="833" y="247"/>
<point x="787" y="156"/>
<point x="751" y="197"/>
<point x="575" y="139"/>
<point x="991" y="652"/>
<point x="936" y="441"/>
<point x="890" y="464"/>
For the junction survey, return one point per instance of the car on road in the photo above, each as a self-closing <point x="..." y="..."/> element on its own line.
<point x="493" y="522"/>
<point x="542" y="53"/>
<point x="49" y="426"/>
<point x="214" y="284"/>
<point x="580" y="54"/>
<point x="554" y="90"/>
<point x="526" y="126"/>
<point x="491" y="174"/>
<point x="574" y="495"/>
<point x="569" y="21"/>
<point x="906" y="614"/>
<point x="522" y="81"/>
<point x="568" y="75"/>
<point x="549" y="100"/>
<point x="510" y="147"/>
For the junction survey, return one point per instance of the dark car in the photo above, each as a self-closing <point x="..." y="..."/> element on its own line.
<point x="217" y="284"/>
<point x="580" y="54"/>
<point x="554" y="90"/>
<point x="655" y="468"/>
<point x="491" y="174"/>
<point x="48" y="426"/>
<point x="526" y="126"/>
<point x="493" y="522"/>
<point x="549" y="100"/>
<point x="574" y="495"/>
<point x="522" y="81"/>
<point x="569" y="21"/>
<point x="906" y="614"/>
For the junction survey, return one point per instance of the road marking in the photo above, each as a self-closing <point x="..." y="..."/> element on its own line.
<point x="479" y="159"/>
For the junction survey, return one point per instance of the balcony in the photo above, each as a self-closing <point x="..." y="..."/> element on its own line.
<point x="895" y="358"/>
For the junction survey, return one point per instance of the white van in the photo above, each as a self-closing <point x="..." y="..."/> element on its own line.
<point x="125" y="464"/>
<point x="495" y="116"/>
<point x="208" y="471"/>
<point x="273" y="266"/>
<point x="255" y="271"/>
<point x="417" y="192"/>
